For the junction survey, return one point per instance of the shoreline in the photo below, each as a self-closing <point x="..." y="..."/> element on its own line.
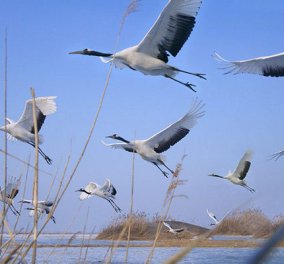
<point x="171" y="243"/>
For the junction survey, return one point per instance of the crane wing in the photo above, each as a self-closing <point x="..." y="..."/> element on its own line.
<point x="126" y="146"/>
<point x="244" y="165"/>
<point x="267" y="66"/>
<point x="108" y="188"/>
<point x="166" y="138"/>
<point x="212" y="216"/>
<point x="171" y="29"/>
<point x="44" y="106"/>
<point x="167" y="225"/>
<point x="26" y="201"/>
<point x="46" y="203"/>
<point x="90" y="188"/>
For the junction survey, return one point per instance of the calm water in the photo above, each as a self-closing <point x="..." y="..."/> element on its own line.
<point x="139" y="254"/>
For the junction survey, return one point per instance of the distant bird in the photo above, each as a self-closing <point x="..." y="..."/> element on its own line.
<point x="238" y="176"/>
<point x="277" y="155"/>
<point x="174" y="231"/>
<point x="168" y="34"/>
<point x="43" y="207"/>
<point x="23" y="129"/>
<point x="107" y="192"/>
<point x="267" y="66"/>
<point x="151" y="148"/>
<point x="213" y="217"/>
<point x="10" y="193"/>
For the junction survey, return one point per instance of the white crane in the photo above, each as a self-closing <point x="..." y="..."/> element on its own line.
<point x="213" y="217"/>
<point x="43" y="207"/>
<point x="151" y="148"/>
<point x="174" y="231"/>
<point x="23" y="129"/>
<point x="107" y="192"/>
<point x="267" y="66"/>
<point x="168" y="34"/>
<point x="277" y="155"/>
<point x="238" y="176"/>
<point x="7" y="195"/>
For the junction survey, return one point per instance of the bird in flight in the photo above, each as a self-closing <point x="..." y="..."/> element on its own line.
<point x="24" y="130"/>
<point x="9" y="193"/>
<point x="150" y="149"/>
<point x="43" y="207"/>
<point x="107" y="192"/>
<point x="167" y="36"/>
<point x="213" y="217"/>
<point x="238" y="176"/>
<point x="174" y="231"/>
<point x="267" y="66"/>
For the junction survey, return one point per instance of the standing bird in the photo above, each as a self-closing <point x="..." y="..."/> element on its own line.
<point x="23" y="129"/>
<point x="107" y="192"/>
<point x="267" y="66"/>
<point x="168" y="34"/>
<point x="238" y="176"/>
<point x="7" y="195"/>
<point x="277" y="155"/>
<point x="174" y="231"/>
<point x="151" y="148"/>
<point x="43" y="207"/>
<point x="213" y="217"/>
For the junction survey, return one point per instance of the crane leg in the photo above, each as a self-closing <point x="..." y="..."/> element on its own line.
<point x="114" y="206"/>
<point x="15" y="211"/>
<point x="200" y="75"/>
<point x="164" y="173"/>
<point x="47" y="159"/>
<point x="187" y="84"/>
<point x="248" y="188"/>
<point x="166" y="166"/>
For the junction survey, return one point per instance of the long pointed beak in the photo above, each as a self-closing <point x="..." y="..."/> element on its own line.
<point x="78" y="190"/>
<point x="76" y="52"/>
<point x="109" y="137"/>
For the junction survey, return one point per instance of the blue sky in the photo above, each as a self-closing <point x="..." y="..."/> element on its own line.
<point x="242" y="111"/>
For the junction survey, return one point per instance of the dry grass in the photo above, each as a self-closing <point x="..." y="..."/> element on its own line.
<point x="138" y="225"/>
<point x="249" y="222"/>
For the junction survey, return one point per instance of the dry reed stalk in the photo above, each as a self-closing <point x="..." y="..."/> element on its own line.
<point x="18" y="217"/>
<point x="84" y="232"/>
<point x="5" y="134"/>
<point x="131" y="206"/>
<point x="181" y="254"/>
<point x="175" y="182"/>
<point x="88" y="243"/>
<point x="24" y="162"/>
<point x="81" y="155"/>
<point x="64" y="233"/>
<point x="49" y="215"/>
<point x="35" y="185"/>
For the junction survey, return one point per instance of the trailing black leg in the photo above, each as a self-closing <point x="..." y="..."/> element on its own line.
<point x="47" y="159"/>
<point x="187" y="84"/>
<point x="164" y="173"/>
<point x="166" y="166"/>
<point x="200" y="75"/>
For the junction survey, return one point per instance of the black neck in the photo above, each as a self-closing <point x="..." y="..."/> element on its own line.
<point x="83" y="190"/>
<point x="122" y="139"/>
<point x="96" y="53"/>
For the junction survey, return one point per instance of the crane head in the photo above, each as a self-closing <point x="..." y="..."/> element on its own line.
<point x="91" y="53"/>
<point x="114" y="136"/>
<point x="215" y="175"/>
